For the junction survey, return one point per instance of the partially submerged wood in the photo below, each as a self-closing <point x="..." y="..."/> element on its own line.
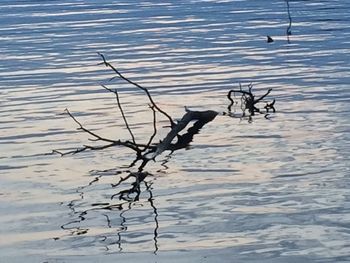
<point x="173" y="141"/>
<point x="180" y="134"/>
<point x="207" y="116"/>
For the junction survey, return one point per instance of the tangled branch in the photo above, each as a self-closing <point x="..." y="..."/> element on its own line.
<point x="249" y="101"/>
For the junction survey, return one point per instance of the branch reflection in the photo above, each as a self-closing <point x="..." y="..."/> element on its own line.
<point x="134" y="188"/>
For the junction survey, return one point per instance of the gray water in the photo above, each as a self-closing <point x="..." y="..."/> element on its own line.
<point x="269" y="190"/>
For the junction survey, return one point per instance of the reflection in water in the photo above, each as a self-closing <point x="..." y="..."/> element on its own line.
<point x="151" y="199"/>
<point x="272" y="190"/>
<point x="125" y="204"/>
<point x="130" y="196"/>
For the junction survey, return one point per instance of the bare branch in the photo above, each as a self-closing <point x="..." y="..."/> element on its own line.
<point x="154" y="129"/>
<point x="121" y="111"/>
<point x="248" y="101"/>
<point x="131" y="145"/>
<point x="107" y="64"/>
<point x="189" y="116"/>
<point x="263" y="96"/>
<point x="127" y="144"/>
<point x="81" y="127"/>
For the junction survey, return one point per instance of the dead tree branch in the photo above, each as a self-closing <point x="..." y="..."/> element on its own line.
<point x="154" y="129"/>
<point x="189" y="116"/>
<point x="131" y="145"/>
<point x="173" y="141"/>
<point x="121" y="111"/>
<point x="81" y="127"/>
<point x="107" y="64"/>
<point x="249" y="102"/>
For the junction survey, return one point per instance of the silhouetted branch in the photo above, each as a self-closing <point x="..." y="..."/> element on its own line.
<point x="81" y="127"/>
<point x="130" y="145"/>
<point x="248" y="101"/>
<point x="262" y="97"/>
<point x="189" y="116"/>
<point x="121" y="111"/>
<point x="154" y="129"/>
<point x="289" y="28"/>
<point x="107" y="64"/>
<point x="88" y="147"/>
<point x="129" y="187"/>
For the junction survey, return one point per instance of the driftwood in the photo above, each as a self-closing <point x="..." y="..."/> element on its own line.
<point x="249" y="102"/>
<point x="206" y="116"/>
<point x="173" y="141"/>
<point x="132" y="180"/>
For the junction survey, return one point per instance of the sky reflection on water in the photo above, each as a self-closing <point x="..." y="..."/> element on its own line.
<point x="271" y="189"/>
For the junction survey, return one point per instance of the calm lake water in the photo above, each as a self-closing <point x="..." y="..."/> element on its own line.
<point x="270" y="190"/>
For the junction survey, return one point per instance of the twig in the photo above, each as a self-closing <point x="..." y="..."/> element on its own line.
<point x="289" y="31"/>
<point x="128" y="144"/>
<point x="96" y="148"/>
<point x="121" y="111"/>
<point x="107" y="64"/>
<point x="263" y="96"/>
<point x="81" y="127"/>
<point x="154" y="129"/>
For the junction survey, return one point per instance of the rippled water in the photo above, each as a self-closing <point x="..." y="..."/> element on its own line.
<point x="270" y="190"/>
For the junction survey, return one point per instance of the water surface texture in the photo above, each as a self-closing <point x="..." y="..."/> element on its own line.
<point x="270" y="190"/>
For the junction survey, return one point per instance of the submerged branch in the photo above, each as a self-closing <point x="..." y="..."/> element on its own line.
<point x="249" y="102"/>
<point x="189" y="116"/>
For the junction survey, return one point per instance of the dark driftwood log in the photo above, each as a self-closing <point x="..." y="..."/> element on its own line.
<point x="177" y="128"/>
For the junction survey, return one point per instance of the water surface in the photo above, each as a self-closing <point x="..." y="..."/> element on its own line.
<point x="268" y="190"/>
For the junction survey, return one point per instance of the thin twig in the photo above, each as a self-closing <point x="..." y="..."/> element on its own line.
<point x="81" y="127"/>
<point x="154" y="129"/>
<point x="107" y="64"/>
<point x="289" y="31"/>
<point x="263" y="96"/>
<point x="121" y="111"/>
<point x="128" y="144"/>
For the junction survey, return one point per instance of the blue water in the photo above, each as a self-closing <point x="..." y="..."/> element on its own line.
<point x="270" y="190"/>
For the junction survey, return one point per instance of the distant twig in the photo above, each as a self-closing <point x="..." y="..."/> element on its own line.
<point x="248" y="100"/>
<point x="289" y="28"/>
